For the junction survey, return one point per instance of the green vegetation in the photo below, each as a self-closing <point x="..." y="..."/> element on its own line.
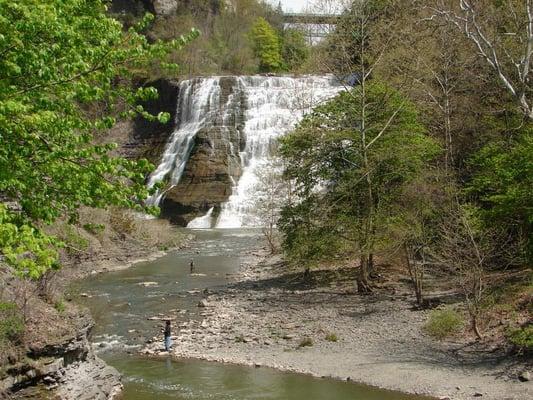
<point x="294" y="49"/>
<point x="306" y="342"/>
<point x="522" y="337"/>
<point x="502" y="181"/>
<point x="60" y="63"/>
<point x="332" y="337"/>
<point x="95" y="229"/>
<point x="422" y="171"/>
<point x="349" y="161"/>
<point x="442" y="324"/>
<point x="59" y="306"/>
<point x="11" y="324"/>
<point x="266" y="45"/>
<point x="244" y="38"/>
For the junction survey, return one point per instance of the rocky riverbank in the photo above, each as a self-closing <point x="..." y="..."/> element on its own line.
<point x="64" y="368"/>
<point x="270" y="318"/>
<point x="55" y="359"/>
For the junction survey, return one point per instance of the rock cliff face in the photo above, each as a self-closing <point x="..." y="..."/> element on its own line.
<point x="137" y="7"/>
<point x="165" y="7"/>
<point x="66" y="369"/>
<point x="224" y="129"/>
<point x="214" y="163"/>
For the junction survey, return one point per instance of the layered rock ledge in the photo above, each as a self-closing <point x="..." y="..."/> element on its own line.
<point x="64" y="369"/>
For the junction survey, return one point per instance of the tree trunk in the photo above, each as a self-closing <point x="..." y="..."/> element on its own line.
<point x="363" y="286"/>
<point x="370" y="263"/>
<point x="475" y="327"/>
<point x="307" y="274"/>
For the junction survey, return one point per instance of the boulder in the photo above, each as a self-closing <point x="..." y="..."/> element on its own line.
<point x="165" y="7"/>
<point x="525" y="376"/>
<point x="203" y="303"/>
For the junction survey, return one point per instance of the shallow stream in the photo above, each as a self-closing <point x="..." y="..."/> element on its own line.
<point x="123" y="302"/>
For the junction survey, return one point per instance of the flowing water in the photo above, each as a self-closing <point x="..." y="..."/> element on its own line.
<point x="122" y="303"/>
<point x="274" y="105"/>
<point x="260" y="108"/>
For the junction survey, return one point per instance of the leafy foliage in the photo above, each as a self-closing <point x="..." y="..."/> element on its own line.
<point x="64" y="71"/>
<point x="294" y="49"/>
<point x="522" y="337"/>
<point x="11" y="324"/>
<point x="267" y="46"/>
<point x="443" y="323"/>
<point x="503" y="182"/>
<point x="333" y="170"/>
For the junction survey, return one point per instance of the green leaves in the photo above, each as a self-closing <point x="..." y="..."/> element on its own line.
<point x="25" y="248"/>
<point x="502" y="182"/>
<point x="267" y="46"/>
<point x="65" y="76"/>
<point x="348" y="162"/>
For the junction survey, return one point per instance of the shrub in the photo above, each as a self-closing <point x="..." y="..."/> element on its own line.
<point x="306" y="342"/>
<point x="11" y="324"/>
<point x="74" y="242"/>
<point x="522" y="337"/>
<point x="95" y="229"/>
<point x="331" y="337"/>
<point x="122" y="221"/>
<point x="444" y="323"/>
<point x="59" y="306"/>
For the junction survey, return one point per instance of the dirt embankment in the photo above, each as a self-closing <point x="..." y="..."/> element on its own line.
<point x="270" y="318"/>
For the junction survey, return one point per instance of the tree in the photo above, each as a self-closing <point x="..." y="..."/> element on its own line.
<point x="502" y="34"/>
<point x="267" y="46"/>
<point x="350" y="160"/>
<point x="271" y="193"/>
<point x="501" y="183"/>
<point x="294" y="49"/>
<point x="61" y="63"/>
<point x="466" y="246"/>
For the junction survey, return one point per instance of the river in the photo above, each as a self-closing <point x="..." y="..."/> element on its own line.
<point x="122" y="303"/>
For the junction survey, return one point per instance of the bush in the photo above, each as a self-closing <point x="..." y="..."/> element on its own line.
<point x="306" y="342"/>
<point x="95" y="229"/>
<point x="122" y="222"/>
<point x="59" y="306"/>
<point x="331" y="337"/>
<point x="444" y="323"/>
<point x="522" y="337"/>
<point x="11" y="324"/>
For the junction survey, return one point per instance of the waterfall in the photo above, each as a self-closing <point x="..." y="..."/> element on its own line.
<point x="261" y="108"/>
<point x="274" y="106"/>
<point x="204" y="222"/>
<point x="198" y="103"/>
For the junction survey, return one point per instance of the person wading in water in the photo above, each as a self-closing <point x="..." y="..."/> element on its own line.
<point x="191" y="265"/>
<point x="167" y="336"/>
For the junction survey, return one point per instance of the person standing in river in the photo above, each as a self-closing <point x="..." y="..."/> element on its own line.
<point x="191" y="265"/>
<point x="167" y="336"/>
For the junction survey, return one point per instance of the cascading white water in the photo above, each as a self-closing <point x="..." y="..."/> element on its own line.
<point x="274" y="106"/>
<point x="204" y="222"/>
<point x="197" y="105"/>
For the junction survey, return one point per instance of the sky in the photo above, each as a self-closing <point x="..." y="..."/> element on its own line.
<point x="320" y="6"/>
<point x="291" y="5"/>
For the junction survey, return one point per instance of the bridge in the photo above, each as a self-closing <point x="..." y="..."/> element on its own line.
<point x="306" y="18"/>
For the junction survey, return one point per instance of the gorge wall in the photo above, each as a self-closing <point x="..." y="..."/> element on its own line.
<point x="223" y="131"/>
